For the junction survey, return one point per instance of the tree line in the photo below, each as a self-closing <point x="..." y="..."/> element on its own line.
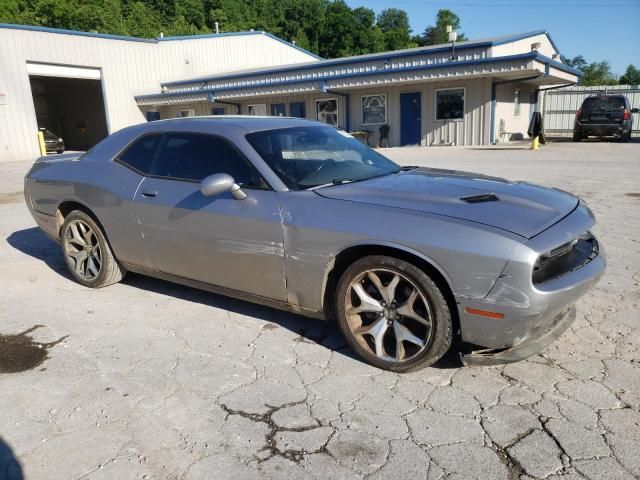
<point x="329" y="28"/>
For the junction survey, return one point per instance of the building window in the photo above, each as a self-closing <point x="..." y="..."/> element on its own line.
<point x="278" y="110"/>
<point x="217" y="111"/>
<point x="153" y="116"/>
<point x="516" y="103"/>
<point x="259" y="109"/>
<point x="327" y="110"/>
<point x="374" y="109"/>
<point x="450" y="104"/>
<point x="191" y="112"/>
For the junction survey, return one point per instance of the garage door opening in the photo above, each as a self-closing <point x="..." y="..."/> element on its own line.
<point x="71" y="108"/>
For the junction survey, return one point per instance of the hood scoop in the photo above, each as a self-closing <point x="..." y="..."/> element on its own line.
<point x="481" y="198"/>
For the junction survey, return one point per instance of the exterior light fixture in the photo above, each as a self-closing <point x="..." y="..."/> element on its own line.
<point x="453" y="36"/>
<point x="535" y="46"/>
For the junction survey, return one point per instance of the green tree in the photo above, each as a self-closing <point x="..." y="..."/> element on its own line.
<point x="9" y="10"/>
<point x="631" y="76"/>
<point x="598" y="73"/>
<point x="437" y="34"/>
<point x="368" y="38"/>
<point x="394" y="25"/>
<point x="338" y="28"/>
<point x="192" y="11"/>
<point x="141" y="20"/>
<point x="576" y="62"/>
<point x="594" y="73"/>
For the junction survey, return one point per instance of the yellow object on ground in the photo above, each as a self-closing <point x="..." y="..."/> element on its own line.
<point x="43" y="148"/>
<point x="535" y="143"/>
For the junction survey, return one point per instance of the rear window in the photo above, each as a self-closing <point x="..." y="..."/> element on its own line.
<point x="607" y="104"/>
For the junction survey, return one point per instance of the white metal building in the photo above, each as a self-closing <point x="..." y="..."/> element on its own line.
<point x="482" y="92"/>
<point x="83" y="86"/>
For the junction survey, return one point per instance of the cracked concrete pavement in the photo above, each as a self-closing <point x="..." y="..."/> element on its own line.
<point x="151" y="380"/>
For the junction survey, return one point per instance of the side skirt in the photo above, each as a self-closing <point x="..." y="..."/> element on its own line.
<point x="227" y="292"/>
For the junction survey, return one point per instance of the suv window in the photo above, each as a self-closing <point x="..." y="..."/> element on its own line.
<point x="192" y="156"/>
<point x="607" y="104"/>
<point x="140" y="154"/>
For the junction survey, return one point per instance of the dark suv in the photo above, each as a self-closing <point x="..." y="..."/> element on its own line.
<point x="604" y="116"/>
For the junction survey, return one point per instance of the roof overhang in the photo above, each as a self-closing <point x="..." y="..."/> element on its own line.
<point x="530" y="67"/>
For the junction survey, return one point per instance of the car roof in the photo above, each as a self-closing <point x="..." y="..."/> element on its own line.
<point x="249" y="123"/>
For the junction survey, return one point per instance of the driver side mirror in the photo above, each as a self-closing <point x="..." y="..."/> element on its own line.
<point x="635" y="110"/>
<point x="219" y="183"/>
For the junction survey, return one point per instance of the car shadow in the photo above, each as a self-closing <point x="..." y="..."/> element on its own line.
<point x="10" y="468"/>
<point x="35" y="243"/>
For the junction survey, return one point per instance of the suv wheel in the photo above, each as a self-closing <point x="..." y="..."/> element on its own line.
<point x="393" y="314"/>
<point x="87" y="252"/>
<point x="577" y="136"/>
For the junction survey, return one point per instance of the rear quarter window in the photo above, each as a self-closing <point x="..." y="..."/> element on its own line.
<point x="140" y="154"/>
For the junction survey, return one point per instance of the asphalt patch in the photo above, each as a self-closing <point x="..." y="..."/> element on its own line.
<point x="20" y="352"/>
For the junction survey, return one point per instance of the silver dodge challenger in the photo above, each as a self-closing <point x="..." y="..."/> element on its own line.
<point x="301" y="216"/>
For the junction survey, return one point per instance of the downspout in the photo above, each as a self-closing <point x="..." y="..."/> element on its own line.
<point x="492" y="128"/>
<point x="346" y="97"/>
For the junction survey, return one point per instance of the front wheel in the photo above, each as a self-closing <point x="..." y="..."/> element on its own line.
<point x="87" y="252"/>
<point x="393" y="314"/>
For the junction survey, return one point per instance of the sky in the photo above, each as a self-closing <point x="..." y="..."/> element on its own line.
<point x="597" y="29"/>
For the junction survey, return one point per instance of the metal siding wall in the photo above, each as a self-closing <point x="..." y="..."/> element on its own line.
<point x="524" y="45"/>
<point x="560" y="106"/>
<point x="128" y="68"/>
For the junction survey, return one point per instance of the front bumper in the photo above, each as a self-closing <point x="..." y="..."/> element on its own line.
<point x="530" y="347"/>
<point x="535" y="314"/>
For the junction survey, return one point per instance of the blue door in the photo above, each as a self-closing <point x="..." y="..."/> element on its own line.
<point x="218" y="111"/>
<point x="277" y="110"/>
<point x="296" y="109"/>
<point x="410" y="118"/>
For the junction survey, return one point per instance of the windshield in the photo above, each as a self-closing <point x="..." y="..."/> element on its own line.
<point x="306" y="157"/>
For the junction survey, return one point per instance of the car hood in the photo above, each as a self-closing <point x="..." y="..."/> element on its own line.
<point x="517" y="207"/>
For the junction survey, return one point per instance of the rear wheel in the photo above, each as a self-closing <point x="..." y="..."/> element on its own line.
<point x="393" y="314"/>
<point x="625" y="137"/>
<point x="87" y="252"/>
<point x="577" y="136"/>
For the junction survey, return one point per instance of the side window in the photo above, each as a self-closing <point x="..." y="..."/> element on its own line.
<point x="191" y="156"/>
<point x="139" y="155"/>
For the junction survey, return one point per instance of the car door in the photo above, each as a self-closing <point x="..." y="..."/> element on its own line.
<point x="236" y="244"/>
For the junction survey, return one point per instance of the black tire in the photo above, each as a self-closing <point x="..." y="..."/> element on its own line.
<point x="577" y="136"/>
<point x="110" y="271"/>
<point x="440" y="337"/>
<point x="626" y="137"/>
<point x="59" y="151"/>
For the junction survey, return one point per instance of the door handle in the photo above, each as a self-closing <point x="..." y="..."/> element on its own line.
<point x="152" y="194"/>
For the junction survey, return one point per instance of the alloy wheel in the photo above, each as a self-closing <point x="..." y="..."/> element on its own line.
<point x="82" y="248"/>
<point x="388" y="315"/>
